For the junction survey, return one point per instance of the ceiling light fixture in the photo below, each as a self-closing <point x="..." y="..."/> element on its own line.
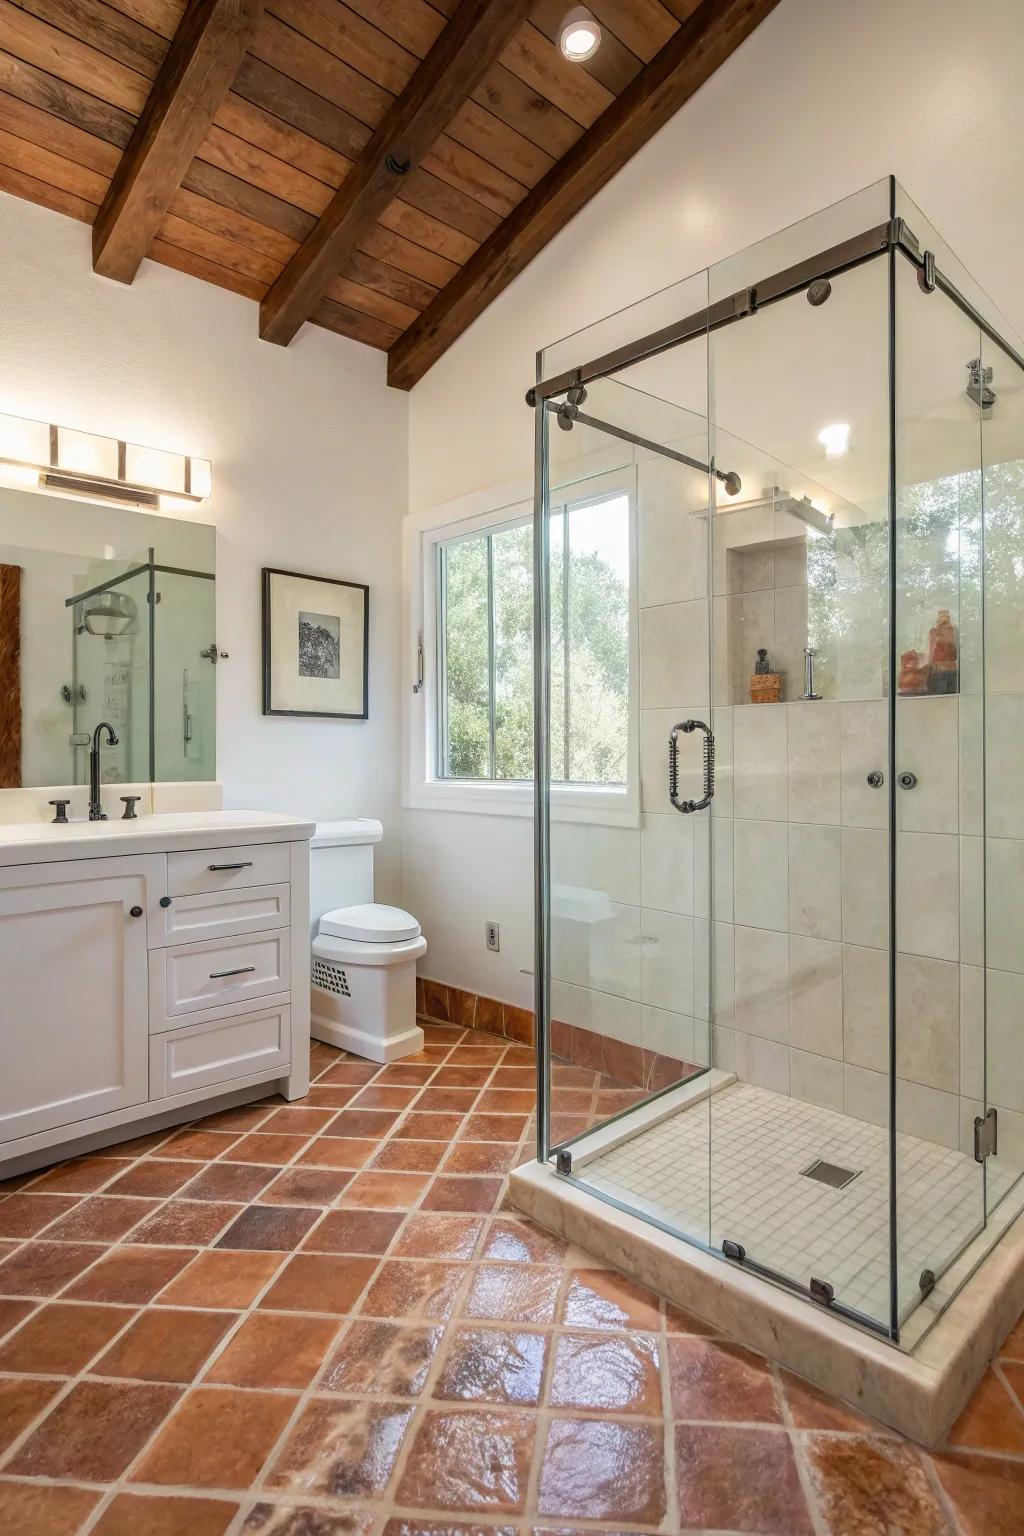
<point x="37" y="455"/>
<point x="580" y="36"/>
<point x="835" y="439"/>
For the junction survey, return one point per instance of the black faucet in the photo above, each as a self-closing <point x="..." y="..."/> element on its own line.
<point x="96" y="811"/>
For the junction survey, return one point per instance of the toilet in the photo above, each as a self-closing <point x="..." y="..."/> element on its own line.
<point x="363" y="980"/>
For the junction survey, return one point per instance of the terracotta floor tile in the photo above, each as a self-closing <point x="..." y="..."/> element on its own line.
<point x="460" y="1077"/>
<point x="218" y="1438"/>
<point x="82" y="1176"/>
<point x="342" y="1448"/>
<point x="456" y="1101"/>
<point x="439" y="1237"/>
<point x="337" y="1152"/>
<point x="986" y="1492"/>
<point x="95" y="1432"/>
<point x="506" y="1101"/>
<point x="470" y="1055"/>
<point x="410" y="1156"/>
<point x="602" y="1298"/>
<point x="520" y="1056"/>
<point x="231" y="1182"/>
<point x="1014" y="1373"/>
<point x="198" y="1144"/>
<point x="991" y="1421"/>
<point x="433" y="1127"/>
<point x="221" y="1278"/>
<point x="442" y="1034"/>
<point x="131" y="1274"/>
<point x="405" y="1287"/>
<point x="355" y="1073"/>
<point x="280" y="1228"/>
<point x="715" y="1494"/>
<point x="518" y="1240"/>
<point x="147" y="1514"/>
<point x="306" y="1520"/>
<point x="383" y="1096"/>
<point x="515" y="1077"/>
<point x="359" y="1123"/>
<point x="574" y="1077"/>
<point x="243" y="1117"/>
<point x="22" y="1400"/>
<point x="514" y="1293"/>
<point x="385" y="1191"/>
<point x="1013" y="1344"/>
<point x="388" y="1358"/>
<point x="196" y="1222"/>
<point x="61" y="1339"/>
<point x="25" y="1215"/>
<point x="356" y="1231"/>
<point x="306" y="1186"/>
<point x="481" y="1157"/>
<point x="462" y="1192"/>
<point x="100" y="1219"/>
<point x="602" y="1470"/>
<point x="153" y="1176"/>
<point x="12" y="1313"/>
<point x="274" y="1350"/>
<point x="323" y="1096"/>
<point x="319" y="1282"/>
<point x="297" y="1120"/>
<point x="810" y="1408"/>
<point x="866" y="1485"/>
<point x="570" y="1101"/>
<point x="678" y="1321"/>
<point x="33" y="1509"/>
<point x="712" y="1379"/>
<point x="262" y="1147"/>
<point x="403" y="1075"/>
<point x="477" y="1127"/>
<point x="608" y="1372"/>
<point x="43" y="1269"/>
<point x="493" y="1365"/>
<point x="473" y="1460"/>
<point x="165" y="1345"/>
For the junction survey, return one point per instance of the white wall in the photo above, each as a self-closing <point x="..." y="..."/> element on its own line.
<point x="823" y="99"/>
<point x="309" y="453"/>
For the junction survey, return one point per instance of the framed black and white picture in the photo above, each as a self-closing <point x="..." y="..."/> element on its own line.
<point x="315" y="644"/>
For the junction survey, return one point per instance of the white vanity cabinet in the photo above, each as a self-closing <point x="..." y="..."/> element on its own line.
<point x="134" y="985"/>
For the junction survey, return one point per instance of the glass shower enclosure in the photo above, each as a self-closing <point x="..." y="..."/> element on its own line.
<point x="778" y="968"/>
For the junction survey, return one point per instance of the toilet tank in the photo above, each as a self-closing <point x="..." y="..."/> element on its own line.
<point x="341" y="865"/>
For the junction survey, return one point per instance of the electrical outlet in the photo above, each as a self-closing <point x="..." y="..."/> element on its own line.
<point x="492" y="934"/>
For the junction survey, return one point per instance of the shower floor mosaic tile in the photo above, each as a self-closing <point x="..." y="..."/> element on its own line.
<point x="733" y="1167"/>
<point x="320" y="1319"/>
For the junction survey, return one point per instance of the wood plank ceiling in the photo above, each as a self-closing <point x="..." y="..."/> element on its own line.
<point x="260" y="112"/>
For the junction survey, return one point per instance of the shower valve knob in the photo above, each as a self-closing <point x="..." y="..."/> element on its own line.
<point x="61" y="808"/>
<point x="907" y="780"/>
<point x="876" y="778"/>
<point x="130" y="802"/>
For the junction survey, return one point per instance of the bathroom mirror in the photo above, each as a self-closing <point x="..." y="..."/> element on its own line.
<point x="106" y="613"/>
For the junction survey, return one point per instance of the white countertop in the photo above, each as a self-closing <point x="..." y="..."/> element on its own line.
<point x="35" y="842"/>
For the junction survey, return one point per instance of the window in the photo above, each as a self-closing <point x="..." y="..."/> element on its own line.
<point x="485" y="648"/>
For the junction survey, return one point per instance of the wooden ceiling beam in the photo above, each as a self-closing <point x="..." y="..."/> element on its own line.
<point x="191" y="84"/>
<point x="451" y="71"/>
<point x="693" y="53"/>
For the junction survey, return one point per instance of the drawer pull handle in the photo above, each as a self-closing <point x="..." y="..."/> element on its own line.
<point x="216" y="868"/>
<point x="240" y="970"/>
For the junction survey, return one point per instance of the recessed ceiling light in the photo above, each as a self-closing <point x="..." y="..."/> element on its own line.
<point x="580" y="36"/>
<point x="835" y="439"/>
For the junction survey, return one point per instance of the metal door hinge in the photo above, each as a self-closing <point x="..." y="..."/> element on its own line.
<point x="563" y="1161"/>
<point x="986" y="1136"/>
<point x="734" y="1250"/>
<point x="821" y="1291"/>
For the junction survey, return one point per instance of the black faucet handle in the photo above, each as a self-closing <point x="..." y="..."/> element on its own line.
<point x="62" y="810"/>
<point x="130" y="802"/>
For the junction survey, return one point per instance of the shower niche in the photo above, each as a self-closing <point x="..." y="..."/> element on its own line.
<point x="810" y="952"/>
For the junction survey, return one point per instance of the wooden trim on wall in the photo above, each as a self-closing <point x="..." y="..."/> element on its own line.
<point x="10" y="676"/>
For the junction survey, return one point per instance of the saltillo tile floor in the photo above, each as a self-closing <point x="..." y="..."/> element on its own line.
<point x="321" y="1319"/>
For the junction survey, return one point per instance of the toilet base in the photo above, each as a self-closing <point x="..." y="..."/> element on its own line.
<point x="383" y="1048"/>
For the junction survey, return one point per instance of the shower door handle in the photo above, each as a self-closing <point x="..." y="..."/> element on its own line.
<point x="686" y="807"/>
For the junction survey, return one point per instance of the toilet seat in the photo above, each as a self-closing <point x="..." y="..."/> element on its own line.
<point x="370" y="923"/>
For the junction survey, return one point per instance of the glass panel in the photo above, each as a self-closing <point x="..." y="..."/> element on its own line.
<point x="1002" y="431"/>
<point x="940" y="768"/>
<point x="184" y="680"/>
<point x="110" y="672"/>
<point x="466" y="660"/>
<point x="800" y="947"/>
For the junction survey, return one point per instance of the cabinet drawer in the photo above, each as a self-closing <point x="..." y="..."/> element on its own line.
<point x="218" y="914"/>
<point x="236" y="1045"/>
<point x="225" y="869"/>
<point x="214" y="972"/>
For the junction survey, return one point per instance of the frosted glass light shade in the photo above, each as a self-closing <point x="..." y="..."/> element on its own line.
<point x="26" y="441"/>
<point x="83" y="453"/>
<point x="155" y="468"/>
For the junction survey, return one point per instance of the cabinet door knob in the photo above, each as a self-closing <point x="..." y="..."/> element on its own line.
<point x="165" y="901"/>
<point x="135" y="911"/>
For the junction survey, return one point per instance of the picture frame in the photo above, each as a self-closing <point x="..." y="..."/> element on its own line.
<point x="316" y="644"/>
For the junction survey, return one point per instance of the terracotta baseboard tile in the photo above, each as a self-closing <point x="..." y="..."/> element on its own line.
<point x="438" y="1003"/>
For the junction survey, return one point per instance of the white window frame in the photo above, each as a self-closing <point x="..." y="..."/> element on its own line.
<point x="493" y="510"/>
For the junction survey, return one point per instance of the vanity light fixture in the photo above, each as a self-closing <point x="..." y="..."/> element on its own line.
<point x="580" y="36"/>
<point x="39" y="456"/>
<point x="835" y="439"/>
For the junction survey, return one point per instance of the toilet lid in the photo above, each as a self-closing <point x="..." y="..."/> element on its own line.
<point x="371" y="924"/>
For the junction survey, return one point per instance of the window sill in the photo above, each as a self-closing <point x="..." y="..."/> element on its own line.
<point x="593" y="807"/>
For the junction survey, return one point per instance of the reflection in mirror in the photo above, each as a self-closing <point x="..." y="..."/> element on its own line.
<point x="106" y="613"/>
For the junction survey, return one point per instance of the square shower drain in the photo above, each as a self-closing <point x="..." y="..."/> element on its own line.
<point x="831" y="1174"/>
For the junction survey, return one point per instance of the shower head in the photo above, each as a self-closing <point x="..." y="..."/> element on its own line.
<point x="109" y="615"/>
